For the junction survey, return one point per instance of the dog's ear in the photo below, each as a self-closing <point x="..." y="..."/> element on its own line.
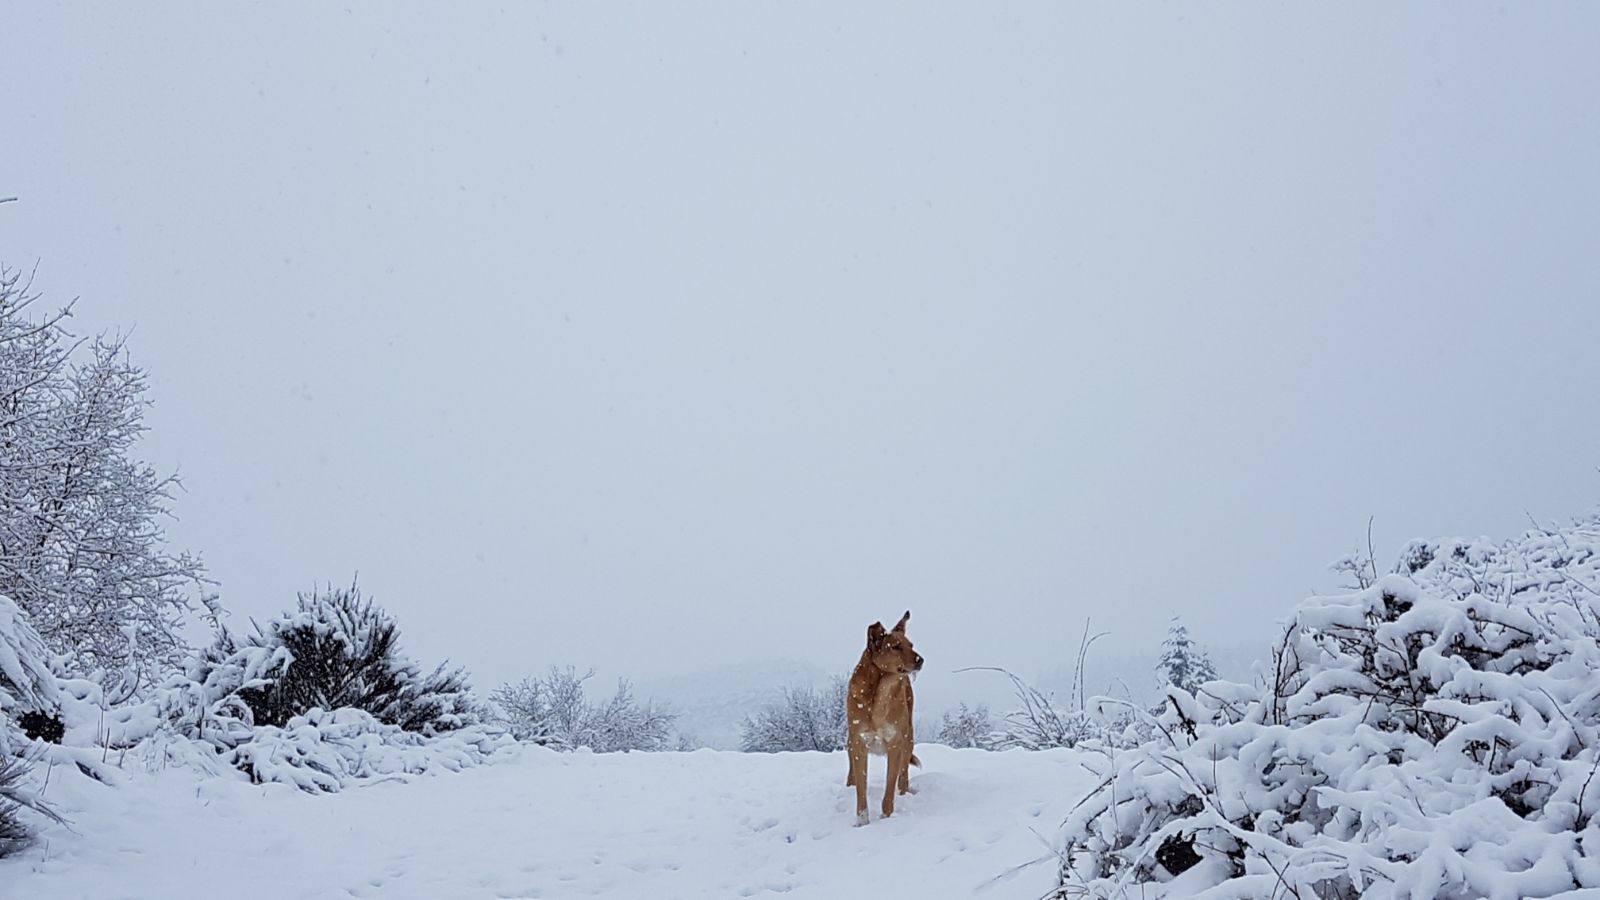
<point x="901" y="625"/>
<point x="875" y="634"/>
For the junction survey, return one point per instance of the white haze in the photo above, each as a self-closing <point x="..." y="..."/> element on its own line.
<point x="658" y="337"/>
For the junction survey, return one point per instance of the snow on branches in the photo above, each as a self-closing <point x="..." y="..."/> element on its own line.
<point x="318" y="698"/>
<point x="82" y="545"/>
<point x="554" y="711"/>
<point x="27" y="688"/>
<point x="26" y="682"/>
<point x="968" y="726"/>
<point x="1436" y="734"/>
<point x="799" y="718"/>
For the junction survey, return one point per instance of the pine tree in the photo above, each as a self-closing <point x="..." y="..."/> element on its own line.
<point x="1181" y="663"/>
<point x="344" y="651"/>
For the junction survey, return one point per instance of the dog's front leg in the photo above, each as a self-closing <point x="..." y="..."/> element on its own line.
<point x="858" y="769"/>
<point x="897" y="761"/>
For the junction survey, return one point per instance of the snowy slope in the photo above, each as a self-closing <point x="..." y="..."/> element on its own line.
<point x="705" y="824"/>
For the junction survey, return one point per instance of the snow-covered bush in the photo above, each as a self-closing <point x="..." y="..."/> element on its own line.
<point x="343" y="652"/>
<point x="323" y="750"/>
<point x="622" y="723"/>
<point x="1181" y="663"/>
<point x="1039" y="723"/>
<point x="13" y="832"/>
<point x="198" y="719"/>
<point x="967" y="726"/>
<point x="549" y="710"/>
<point x="27" y="684"/>
<point x="555" y="711"/>
<point x="522" y="708"/>
<point x="203" y="717"/>
<point x="801" y="718"/>
<point x="27" y="687"/>
<point x="1436" y="734"/>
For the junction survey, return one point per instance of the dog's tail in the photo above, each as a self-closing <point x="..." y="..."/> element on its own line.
<point x="916" y="762"/>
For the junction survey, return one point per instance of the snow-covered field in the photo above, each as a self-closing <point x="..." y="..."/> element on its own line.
<point x="704" y="824"/>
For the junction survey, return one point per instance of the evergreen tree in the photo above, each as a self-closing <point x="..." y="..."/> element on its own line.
<point x="343" y="651"/>
<point x="1181" y="663"/>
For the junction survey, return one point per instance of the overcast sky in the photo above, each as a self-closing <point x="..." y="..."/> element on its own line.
<point x="657" y="336"/>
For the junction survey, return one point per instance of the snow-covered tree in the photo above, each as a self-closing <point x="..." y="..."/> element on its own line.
<point x="1181" y="662"/>
<point x="1435" y="734"/>
<point x="801" y="718"/>
<point x="622" y="723"/>
<point x="967" y="726"/>
<point x="522" y="708"/>
<point x="344" y="652"/>
<point x="82" y="545"/>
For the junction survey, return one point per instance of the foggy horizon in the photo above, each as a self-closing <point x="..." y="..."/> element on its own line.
<point x="660" y="342"/>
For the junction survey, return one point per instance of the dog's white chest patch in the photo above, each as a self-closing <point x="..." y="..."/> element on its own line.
<point x="878" y="741"/>
<point x="884" y="731"/>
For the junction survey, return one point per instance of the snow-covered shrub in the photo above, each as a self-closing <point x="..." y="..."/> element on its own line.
<point x="201" y="718"/>
<point x="555" y="711"/>
<point x="323" y="750"/>
<point x="343" y="652"/>
<point x="1039" y="723"/>
<point x="1436" y="734"/>
<point x="1181" y="663"/>
<point x="549" y="710"/>
<point x="27" y="684"/>
<point x="13" y="833"/>
<point x="967" y="726"/>
<point x="801" y="718"/>
<point x="198" y="720"/>
<point x="201" y="703"/>
<point x="622" y="723"/>
<point x="27" y="688"/>
<point x="522" y="708"/>
<point x="19" y="794"/>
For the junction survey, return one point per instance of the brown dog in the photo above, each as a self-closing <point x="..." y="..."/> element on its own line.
<point x="878" y="709"/>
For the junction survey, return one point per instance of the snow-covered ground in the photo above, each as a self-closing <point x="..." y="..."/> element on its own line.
<point x="704" y="824"/>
